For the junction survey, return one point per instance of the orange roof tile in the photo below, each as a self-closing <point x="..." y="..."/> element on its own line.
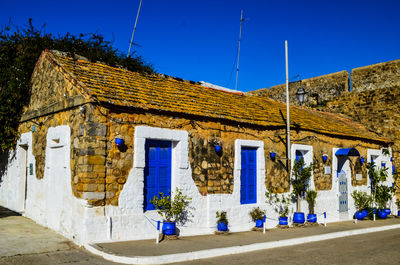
<point x="154" y="92"/>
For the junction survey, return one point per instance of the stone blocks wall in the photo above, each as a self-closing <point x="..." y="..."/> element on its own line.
<point x="319" y="89"/>
<point x="376" y="76"/>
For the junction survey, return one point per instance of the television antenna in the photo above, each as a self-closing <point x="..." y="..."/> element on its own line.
<point x="134" y="28"/>
<point x="238" y="54"/>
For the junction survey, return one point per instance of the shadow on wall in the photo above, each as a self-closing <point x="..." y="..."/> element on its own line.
<point x="4" y="163"/>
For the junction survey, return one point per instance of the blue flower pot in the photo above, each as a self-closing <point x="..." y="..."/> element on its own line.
<point x="359" y="215"/>
<point x="365" y="213"/>
<point x="398" y="213"/>
<point x="218" y="148"/>
<point x="169" y="228"/>
<point x="382" y="214"/>
<point x="259" y="223"/>
<point x="222" y="227"/>
<point x="283" y="220"/>
<point x="299" y="218"/>
<point x="388" y="211"/>
<point x="119" y="141"/>
<point x="311" y="218"/>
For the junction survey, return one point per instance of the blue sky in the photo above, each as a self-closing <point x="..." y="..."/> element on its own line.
<point x="197" y="40"/>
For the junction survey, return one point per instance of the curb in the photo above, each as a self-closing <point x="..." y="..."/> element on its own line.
<point x="211" y="253"/>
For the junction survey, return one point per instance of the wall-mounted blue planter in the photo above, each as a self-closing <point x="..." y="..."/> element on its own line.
<point x="259" y="223"/>
<point x="169" y="228"/>
<point x="362" y="160"/>
<point x="299" y="218"/>
<point x="383" y="164"/>
<point x="283" y="220"/>
<point x="223" y="227"/>
<point x="272" y="155"/>
<point x="218" y="148"/>
<point x="119" y="141"/>
<point x="311" y="218"/>
<point x="324" y="158"/>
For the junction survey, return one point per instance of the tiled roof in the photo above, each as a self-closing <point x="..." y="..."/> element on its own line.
<point x="155" y="92"/>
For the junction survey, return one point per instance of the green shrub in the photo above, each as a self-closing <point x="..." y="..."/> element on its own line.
<point x="361" y="200"/>
<point x="310" y="198"/>
<point x="175" y="210"/>
<point x="221" y="217"/>
<point x="257" y="214"/>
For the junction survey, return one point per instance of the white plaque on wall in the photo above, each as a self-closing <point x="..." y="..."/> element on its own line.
<point x="327" y="170"/>
<point x="358" y="176"/>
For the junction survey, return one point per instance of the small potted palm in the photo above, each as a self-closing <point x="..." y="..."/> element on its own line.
<point x="172" y="211"/>
<point x="222" y="221"/>
<point x="310" y="198"/>
<point x="257" y="215"/>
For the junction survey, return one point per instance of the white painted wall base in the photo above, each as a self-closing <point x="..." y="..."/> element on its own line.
<point x="82" y="223"/>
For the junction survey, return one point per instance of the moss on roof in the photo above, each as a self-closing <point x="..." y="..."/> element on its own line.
<point x="156" y="92"/>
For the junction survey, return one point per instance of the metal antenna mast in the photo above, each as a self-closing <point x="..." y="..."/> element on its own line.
<point x="240" y="38"/>
<point x="134" y="28"/>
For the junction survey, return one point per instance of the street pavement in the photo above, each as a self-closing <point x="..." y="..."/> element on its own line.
<point x="367" y="249"/>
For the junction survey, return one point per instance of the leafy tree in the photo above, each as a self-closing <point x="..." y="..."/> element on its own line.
<point x="20" y="48"/>
<point x="301" y="175"/>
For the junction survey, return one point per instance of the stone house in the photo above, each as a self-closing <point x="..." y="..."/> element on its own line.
<point x="68" y="173"/>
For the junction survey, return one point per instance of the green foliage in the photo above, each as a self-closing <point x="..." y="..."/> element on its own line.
<point x="299" y="181"/>
<point x="20" y="48"/>
<point x="361" y="200"/>
<point x="280" y="202"/>
<point x="221" y="217"/>
<point x="310" y="198"/>
<point x="257" y="214"/>
<point x="175" y="210"/>
<point x="383" y="195"/>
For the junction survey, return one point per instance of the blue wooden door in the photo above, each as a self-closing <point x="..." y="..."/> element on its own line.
<point x="248" y="176"/>
<point x="157" y="173"/>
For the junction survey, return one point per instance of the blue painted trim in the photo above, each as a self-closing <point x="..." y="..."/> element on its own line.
<point x="157" y="172"/>
<point x="347" y="152"/>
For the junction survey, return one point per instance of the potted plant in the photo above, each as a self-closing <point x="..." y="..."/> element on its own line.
<point x="383" y="195"/>
<point x="281" y="206"/>
<point x="257" y="215"/>
<point x="380" y="193"/>
<point x="172" y="211"/>
<point x="299" y="181"/>
<point x="222" y="221"/>
<point x="361" y="201"/>
<point x="310" y="198"/>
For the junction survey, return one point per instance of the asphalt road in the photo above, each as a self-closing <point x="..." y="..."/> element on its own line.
<point x="373" y="248"/>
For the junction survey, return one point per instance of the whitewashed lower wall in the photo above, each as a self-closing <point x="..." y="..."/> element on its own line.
<point x="82" y="223"/>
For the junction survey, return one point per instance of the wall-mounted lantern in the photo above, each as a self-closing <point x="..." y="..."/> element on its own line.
<point x="324" y="158"/>
<point x="119" y="141"/>
<point x="301" y="95"/>
<point x="362" y="160"/>
<point x="272" y="154"/>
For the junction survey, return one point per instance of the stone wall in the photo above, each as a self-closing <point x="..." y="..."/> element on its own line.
<point x="378" y="110"/>
<point x="319" y="89"/>
<point x="376" y="76"/>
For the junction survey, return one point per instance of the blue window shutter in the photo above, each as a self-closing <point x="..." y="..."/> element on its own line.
<point x="157" y="171"/>
<point x="248" y="177"/>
